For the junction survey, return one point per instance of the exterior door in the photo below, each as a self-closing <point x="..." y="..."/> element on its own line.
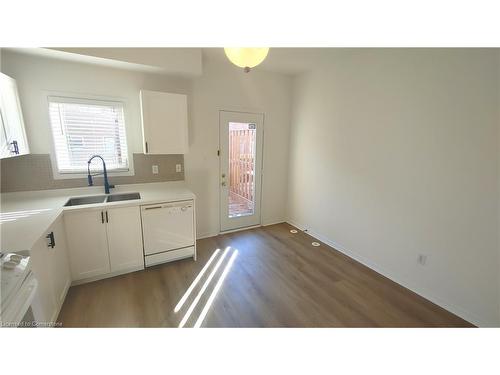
<point x="240" y="138"/>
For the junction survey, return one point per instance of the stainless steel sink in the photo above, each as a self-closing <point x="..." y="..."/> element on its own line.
<point x="77" y="201"/>
<point x="123" y="197"/>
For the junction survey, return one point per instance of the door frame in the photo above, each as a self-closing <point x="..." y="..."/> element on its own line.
<point x="250" y="112"/>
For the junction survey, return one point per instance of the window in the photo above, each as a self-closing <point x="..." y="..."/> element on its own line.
<point x="82" y="128"/>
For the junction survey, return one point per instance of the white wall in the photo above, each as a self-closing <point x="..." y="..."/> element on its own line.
<point x="36" y="76"/>
<point x="221" y="86"/>
<point x="395" y="153"/>
<point x="224" y="87"/>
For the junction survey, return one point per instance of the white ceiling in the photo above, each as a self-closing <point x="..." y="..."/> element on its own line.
<point x="176" y="61"/>
<point x="185" y="61"/>
<point x="283" y="60"/>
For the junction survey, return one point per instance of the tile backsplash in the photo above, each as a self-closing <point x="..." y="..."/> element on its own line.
<point x="34" y="172"/>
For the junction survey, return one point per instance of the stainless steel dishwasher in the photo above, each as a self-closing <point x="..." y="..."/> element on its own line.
<point x="168" y="231"/>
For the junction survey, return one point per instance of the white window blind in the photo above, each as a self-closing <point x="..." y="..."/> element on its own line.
<point x="82" y="128"/>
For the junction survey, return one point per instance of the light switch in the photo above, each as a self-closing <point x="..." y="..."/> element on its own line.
<point x="178" y="168"/>
<point x="155" y="169"/>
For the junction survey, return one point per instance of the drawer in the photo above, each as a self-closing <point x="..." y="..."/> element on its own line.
<point x="168" y="256"/>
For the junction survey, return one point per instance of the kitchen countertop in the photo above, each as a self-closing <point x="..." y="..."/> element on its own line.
<point x="25" y="216"/>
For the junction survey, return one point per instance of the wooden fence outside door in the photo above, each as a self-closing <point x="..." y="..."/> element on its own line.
<point x="242" y="163"/>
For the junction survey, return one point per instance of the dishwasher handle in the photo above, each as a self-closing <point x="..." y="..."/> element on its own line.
<point x="152" y="208"/>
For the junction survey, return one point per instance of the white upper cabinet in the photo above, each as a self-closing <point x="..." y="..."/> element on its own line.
<point x="12" y="133"/>
<point x="164" y="122"/>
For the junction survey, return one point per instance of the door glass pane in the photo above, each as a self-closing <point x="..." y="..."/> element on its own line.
<point x="241" y="173"/>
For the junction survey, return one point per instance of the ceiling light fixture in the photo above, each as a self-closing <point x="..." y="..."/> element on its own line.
<point x="246" y="58"/>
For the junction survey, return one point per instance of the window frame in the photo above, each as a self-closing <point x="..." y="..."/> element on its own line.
<point x="82" y="98"/>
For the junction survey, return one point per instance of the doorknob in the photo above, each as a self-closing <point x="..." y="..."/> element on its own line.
<point x="223" y="183"/>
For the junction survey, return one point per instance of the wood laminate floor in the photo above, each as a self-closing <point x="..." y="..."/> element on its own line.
<point x="277" y="279"/>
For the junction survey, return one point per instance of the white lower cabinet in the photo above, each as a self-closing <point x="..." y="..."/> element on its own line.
<point x="87" y="243"/>
<point x="61" y="275"/>
<point x="125" y="238"/>
<point x="104" y="241"/>
<point x="49" y="262"/>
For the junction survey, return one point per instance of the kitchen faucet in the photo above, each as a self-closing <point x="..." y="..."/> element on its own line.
<point x="107" y="186"/>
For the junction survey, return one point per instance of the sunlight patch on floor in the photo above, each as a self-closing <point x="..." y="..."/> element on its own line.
<point x="202" y="290"/>
<point x="195" y="282"/>
<point x="207" y="306"/>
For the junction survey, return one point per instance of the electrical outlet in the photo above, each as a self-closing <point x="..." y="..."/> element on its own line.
<point x="178" y="168"/>
<point x="422" y="259"/>
<point x="155" y="169"/>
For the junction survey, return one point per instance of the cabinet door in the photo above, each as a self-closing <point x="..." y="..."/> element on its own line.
<point x="61" y="276"/>
<point x="44" y="303"/>
<point x="51" y="269"/>
<point x="124" y="238"/>
<point x="11" y="117"/>
<point x="87" y="243"/>
<point x="164" y="122"/>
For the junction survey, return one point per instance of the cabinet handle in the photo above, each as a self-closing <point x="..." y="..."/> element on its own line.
<point x="147" y="148"/>
<point x="16" y="147"/>
<point x="106" y="216"/>
<point x="52" y="240"/>
<point x="102" y="217"/>
<point x="152" y="208"/>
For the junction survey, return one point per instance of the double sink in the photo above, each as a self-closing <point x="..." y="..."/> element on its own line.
<point x="78" y="201"/>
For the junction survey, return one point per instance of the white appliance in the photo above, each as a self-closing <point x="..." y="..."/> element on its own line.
<point x="18" y="290"/>
<point x="168" y="231"/>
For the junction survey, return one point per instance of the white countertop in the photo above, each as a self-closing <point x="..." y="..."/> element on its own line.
<point x="25" y="216"/>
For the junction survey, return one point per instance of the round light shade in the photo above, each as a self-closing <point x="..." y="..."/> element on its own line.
<point x="246" y="57"/>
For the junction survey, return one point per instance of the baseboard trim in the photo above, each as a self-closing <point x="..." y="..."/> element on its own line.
<point x="461" y="312"/>
<point x="274" y="223"/>
<point x="107" y="275"/>
<point x="207" y="235"/>
<point x="240" y="229"/>
<point x="214" y="234"/>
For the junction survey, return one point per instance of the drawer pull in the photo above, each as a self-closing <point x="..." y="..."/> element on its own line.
<point x="52" y="241"/>
<point x="152" y="208"/>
